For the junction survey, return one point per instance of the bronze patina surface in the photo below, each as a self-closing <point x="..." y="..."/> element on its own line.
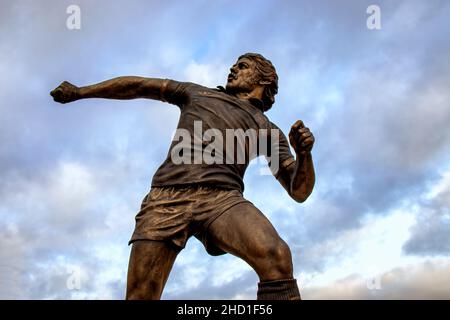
<point x="203" y="198"/>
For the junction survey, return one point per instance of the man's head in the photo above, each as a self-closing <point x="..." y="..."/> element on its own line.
<point x="250" y="71"/>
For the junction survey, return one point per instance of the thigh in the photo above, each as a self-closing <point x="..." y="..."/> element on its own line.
<point x="149" y="267"/>
<point x="245" y="232"/>
<point x="165" y="215"/>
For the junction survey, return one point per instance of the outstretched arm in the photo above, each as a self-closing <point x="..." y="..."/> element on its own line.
<point x="298" y="178"/>
<point x="118" y="88"/>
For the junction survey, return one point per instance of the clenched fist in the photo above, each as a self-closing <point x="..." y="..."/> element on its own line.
<point x="301" y="139"/>
<point x="65" y="92"/>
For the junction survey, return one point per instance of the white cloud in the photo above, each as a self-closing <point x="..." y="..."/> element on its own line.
<point x="209" y="75"/>
<point x="72" y="178"/>
<point x="427" y="280"/>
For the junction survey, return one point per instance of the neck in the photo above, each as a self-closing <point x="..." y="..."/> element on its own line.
<point x="256" y="93"/>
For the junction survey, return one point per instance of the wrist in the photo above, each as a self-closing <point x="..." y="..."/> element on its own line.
<point x="80" y="93"/>
<point x="303" y="153"/>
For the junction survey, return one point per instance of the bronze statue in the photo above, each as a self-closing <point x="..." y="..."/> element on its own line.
<point x="200" y="194"/>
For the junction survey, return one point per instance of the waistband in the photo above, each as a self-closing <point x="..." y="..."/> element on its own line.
<point x="189" y="187"/>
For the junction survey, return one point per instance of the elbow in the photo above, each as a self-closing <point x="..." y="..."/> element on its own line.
<point x="301" y="193"/>
<point x="300" y="197"/>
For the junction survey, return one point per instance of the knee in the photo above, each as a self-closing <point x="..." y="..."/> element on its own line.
<point x="276" y="262"/>
<point x="281" y="255"/>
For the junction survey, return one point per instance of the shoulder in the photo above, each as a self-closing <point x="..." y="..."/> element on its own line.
<point x="182" y="85"/>
<point x="271" y="124"/>
<point x="178" y="92"/>
<point x="276" y="131"/>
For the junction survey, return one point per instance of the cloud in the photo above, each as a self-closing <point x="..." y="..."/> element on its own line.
<point x="42" y="240"/>
<point x="199" y="276"/>
<point x="73" y="176"/>
<point x="431" y="234"/>
<point x="429" y="280"/>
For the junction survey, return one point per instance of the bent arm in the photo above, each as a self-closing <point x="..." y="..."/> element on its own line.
<point x="297" y="175"/>
<point x="298" y="178"/>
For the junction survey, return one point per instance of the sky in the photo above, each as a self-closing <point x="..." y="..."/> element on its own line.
<point x="377" y="225"/>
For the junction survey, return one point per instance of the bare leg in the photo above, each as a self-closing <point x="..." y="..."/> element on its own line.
<point x="245" y="232"/>
<point x="149" y="268"/>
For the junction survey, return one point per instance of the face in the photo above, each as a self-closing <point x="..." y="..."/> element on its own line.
<point x="243" y="76"/>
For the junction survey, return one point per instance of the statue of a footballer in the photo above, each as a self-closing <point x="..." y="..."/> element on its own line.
<point x="204" y="198"/>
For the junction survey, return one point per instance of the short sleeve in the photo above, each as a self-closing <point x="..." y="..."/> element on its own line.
<point x="279" y="155"/>
<point x="175" y="92"/>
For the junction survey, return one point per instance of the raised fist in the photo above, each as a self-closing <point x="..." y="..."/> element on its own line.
<point x="301" y="139"/>
<point x="65" y="92"/>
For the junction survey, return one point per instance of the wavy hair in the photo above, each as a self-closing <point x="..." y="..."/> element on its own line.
<point x="267" y="73"/>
